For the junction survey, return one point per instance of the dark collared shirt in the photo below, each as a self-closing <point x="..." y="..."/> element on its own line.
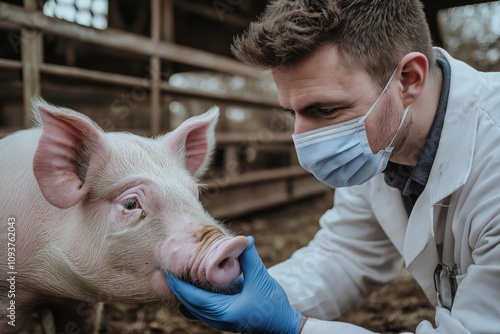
<point x="409" y="180"/>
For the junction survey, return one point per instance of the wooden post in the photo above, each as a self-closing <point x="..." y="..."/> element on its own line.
<point x="155" y="71"/>
<point x="31" y="58"/>
<point x="168" y="30"/>
<point x="168" y="34"/>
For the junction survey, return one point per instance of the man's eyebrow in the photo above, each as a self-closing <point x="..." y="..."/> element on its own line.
<point x="321" y="105"/>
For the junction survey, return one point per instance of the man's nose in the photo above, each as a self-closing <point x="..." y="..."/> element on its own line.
<point x="302" y="124"/>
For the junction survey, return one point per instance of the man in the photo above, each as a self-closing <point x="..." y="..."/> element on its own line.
<point x="408" y="137"/>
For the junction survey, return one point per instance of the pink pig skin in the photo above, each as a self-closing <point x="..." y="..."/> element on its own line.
<point x="99" y="217"/>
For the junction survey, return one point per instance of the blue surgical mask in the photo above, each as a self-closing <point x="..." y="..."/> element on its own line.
<point x="339" y="155"/>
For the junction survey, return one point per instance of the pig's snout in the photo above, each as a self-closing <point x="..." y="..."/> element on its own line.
<point x="222" y="265"/>
<point x="210" y="261"/>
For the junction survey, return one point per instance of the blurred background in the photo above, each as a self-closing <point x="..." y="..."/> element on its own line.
<point x="146" y="66"/>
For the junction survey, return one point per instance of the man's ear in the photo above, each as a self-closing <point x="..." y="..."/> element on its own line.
<point x="414" y="72"/>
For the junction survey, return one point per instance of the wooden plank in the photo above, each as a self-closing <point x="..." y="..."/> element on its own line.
<point x="226" y="179"/>
<point x="226" y="97"/>
<point x="124" y="80"/>
<point x="30" y="5"/>
<point x="10" y="26"/>
<point x="228" y="202"/>
<point x="127" y="42"/>
<point x="72" y="94"/>
<point x="155" y="115"/>
<point x="294" y="161"/>
<point x="167" y="34"/>
<point x="31" y="59"/>
<point x="78" y="73"/>
<point x="228" y="138"/>
<point x="168" y="21"/>
<point x="303" y="186"/>
<point x="155" y="70"/>
<point x="10" y="64"/>
<point x="230" y="158"/>
<point x="129" y="81"/>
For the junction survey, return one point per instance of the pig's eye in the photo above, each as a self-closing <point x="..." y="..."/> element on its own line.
<point x="130" y="204"/>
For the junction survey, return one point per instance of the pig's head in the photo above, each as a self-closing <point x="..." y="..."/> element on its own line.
<point x="131" y="207"/>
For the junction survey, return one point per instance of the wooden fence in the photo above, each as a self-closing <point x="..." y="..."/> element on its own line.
<point x="230" y="191"/>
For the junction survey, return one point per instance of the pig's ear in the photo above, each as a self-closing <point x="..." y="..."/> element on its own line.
<point x="194" y="141"/>
<point x="67" y="151"/>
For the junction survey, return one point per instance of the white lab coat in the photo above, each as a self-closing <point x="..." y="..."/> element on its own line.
<point x="367" y="234"/>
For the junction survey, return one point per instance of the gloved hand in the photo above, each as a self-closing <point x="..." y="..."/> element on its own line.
<point x="261" y="307"/>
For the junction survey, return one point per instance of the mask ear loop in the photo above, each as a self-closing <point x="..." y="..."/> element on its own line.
<point x="378" y="99"/>
<point x="400" y="125"/>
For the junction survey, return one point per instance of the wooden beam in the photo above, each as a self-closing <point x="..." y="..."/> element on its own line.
<point x="230" y="98"/>
<point x="226" y="198"/>
<point x="168" y="21"/>
<point x="228" y="138"/>
<point x="31" y="59"/>
<point x="127" y="42"/>
<point x="155" y="69"/>
<point x="129" y="81"/>
<point x="109" y="78"/>
<point x="9" y="26"/>
<point x="168" y="35"/>
<point x="256" y="177"/>
<point x="10" y="64"/>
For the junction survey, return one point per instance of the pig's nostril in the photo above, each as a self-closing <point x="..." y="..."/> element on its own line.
<point x="223" y="263"/>
<point x="227" y="267"/>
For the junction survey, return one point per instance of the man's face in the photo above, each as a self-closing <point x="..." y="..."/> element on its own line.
<point x="320" y="91"/>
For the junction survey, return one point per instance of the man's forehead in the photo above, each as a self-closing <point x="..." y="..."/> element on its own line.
<point x="323" y="66"/>
<point x="325" y="55"/>
<point x="296" y="88"/>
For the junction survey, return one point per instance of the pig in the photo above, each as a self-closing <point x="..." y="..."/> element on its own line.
<point x="89" y="216"/>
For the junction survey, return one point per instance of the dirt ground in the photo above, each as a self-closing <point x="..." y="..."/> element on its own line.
<point x="395" y="308"/>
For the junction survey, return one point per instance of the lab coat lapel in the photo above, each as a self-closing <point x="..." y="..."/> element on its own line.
<point x="449" y="172"/>
<point x="393" y="218"/>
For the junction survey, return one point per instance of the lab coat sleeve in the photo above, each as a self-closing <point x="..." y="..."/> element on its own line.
<point x="315" y="326"/>
<point x="348" y="258"/>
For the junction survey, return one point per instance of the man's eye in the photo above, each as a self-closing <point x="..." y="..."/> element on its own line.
<point x="130" y="204"/>
<point x="328" y="112"/>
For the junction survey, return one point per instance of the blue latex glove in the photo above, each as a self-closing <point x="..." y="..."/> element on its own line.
<point x="261" y="307"/>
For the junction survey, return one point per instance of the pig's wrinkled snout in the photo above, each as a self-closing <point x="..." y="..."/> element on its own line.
<point x="223" y="265"/>
<point x="210" y="261"/>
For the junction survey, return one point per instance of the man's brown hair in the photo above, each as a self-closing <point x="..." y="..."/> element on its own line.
<point x="373" y="35"/>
